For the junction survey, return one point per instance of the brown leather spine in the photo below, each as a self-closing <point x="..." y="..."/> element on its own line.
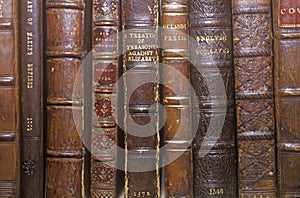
<point x="214" y="156"/>
<point x="286" y="18"/>
<point x="10" y="104"/>
<point x="64" y="52"/>
<point x="31" y="62"/>
<point x="252" y="36"/>
<point x="105" y="39"/>
<point x="176" y="99"/>
<point x="140" y="66"/>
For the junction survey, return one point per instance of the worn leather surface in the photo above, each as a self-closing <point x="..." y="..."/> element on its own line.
<point x="64" y="50"/>
<point x="214" y="158"/>
<point x="9" y="96"/>
<point x="140" y="65"/>
<point x="287" y="82"/>
<point x="106" y="68"/>
<point x="175" y="73"/>
<point x="252" y="36"/>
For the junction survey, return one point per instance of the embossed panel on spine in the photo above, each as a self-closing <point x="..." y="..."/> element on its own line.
<point x="214" y="156"/>
<point x="9" y="97"/>
<point x="286" y="18"/>
<point x="176" y="99"/>
<point x="64" y="52"/>
<point x="252" y="38"/>
<point x="31" y="61"/>
<point x="140" y="65"/>
<point x="105" y="39"/>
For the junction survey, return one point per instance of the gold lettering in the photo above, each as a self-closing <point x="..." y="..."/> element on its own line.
<point x="175" y="38"/>
<point x="290" y="11"/>
<point x="29" y="124"/>
<point x="180" y="26"/>
<point x="214" y="191"/>
<point x="141" y="35"/>
<point x="29" y="6"/>
<point x="29" y="43"/>
<point x="29" y="76"/>
<point x="140" y="47"/>
<point x="141" y="194"/>
<point x="30" y="21"/>
<point x="211" y="38"/>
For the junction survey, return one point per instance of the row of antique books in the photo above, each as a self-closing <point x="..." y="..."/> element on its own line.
<point x="149" y="98"/>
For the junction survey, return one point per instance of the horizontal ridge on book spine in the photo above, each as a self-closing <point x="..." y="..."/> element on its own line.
<point x="10" y="100"/>
<point x="252" y="39"/>
<point x="64" y="83"/>
<point x="287" y="96"/>
<point x="214" y="156"/>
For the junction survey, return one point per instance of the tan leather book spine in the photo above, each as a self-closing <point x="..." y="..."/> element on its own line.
<point x="286" y="18"/>
<point x="64" y="52"/>
<point x="252" y="36"/>
<point x="31" y="63"/>
<point x="106" y="64"/>
<point x="10" y="100"/>
<point x="211" y="50"/>
<point x="140" y="67"/>
<point x="175" y="74"/>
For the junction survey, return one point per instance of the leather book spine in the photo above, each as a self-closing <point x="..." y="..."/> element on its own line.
<point x="31" y="63"/>
<point x="214" y="155"/>
<point x="140" y="77"/>
<point x="286" y="18"/>
<point x="175" y="74"/>
<point x="10" y="100"/>
<point x="252" y="38"/>
<point x="64" y="83"/>
<point x="106" y="64"/>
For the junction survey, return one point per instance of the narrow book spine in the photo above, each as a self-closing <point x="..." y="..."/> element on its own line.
<point x="214" y="155"/>
<point x="106" y="63"/>
<point x="9" y="97"/>
<point x="286" y="18"/>
<point x="64" y="52"/>
<point x="252" y="36"/>
<point x="175" y="76"/>
<point x="140" y="65"/>
<point x="31" y="62"/>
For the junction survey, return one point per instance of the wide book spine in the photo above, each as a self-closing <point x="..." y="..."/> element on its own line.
<point x="175" y="78"/>
<point x="105" y="73"/>
<point x="9" y="97"/>
<point x="140" y="66"/>
<point x="252" y="38"/>
<point x="64" y="84"/>
<point x="214" y="156"/>
<point x="286" y="18"/>
<point x="31" y="77"/>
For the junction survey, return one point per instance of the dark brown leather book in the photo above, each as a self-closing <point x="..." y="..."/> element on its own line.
<point x="31" y="63"/>
<point x="252" y="36"/>
<point x="104" y="137"/>
<point x="10" y="100"/>
<point x="175" y="75"/>
<point x="140" y="65"/>
<point x="214" y="156"/>
<point x="286" y="18"/>
<point x="64" y="52"/>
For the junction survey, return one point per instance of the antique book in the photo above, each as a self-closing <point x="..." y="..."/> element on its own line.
<point x="140" y="67"/>
<point x="106" y="64"/>
<point x="64" y="52"/>
<point x="286" y="23"/>
<point x="252" y="40"/>
<point x="31" y="77"/>
<point x="10" y="100"/>
<point x="175" y="76"/>
<point x="214" y="124"/>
